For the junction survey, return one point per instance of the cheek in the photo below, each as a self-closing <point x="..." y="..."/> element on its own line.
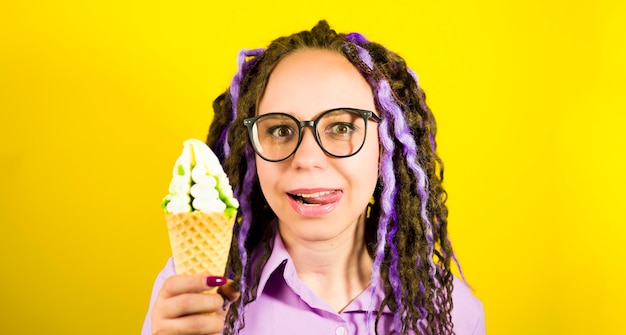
<point x="368" y="164"/>
<point x="375" y="149"/>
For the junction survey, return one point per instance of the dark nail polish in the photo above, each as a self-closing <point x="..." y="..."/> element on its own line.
<point x="215" y="281"/>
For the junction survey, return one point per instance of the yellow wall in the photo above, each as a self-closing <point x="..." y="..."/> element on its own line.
<point x="96" y="98"/>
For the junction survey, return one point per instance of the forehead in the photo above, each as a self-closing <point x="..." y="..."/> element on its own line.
<point x="307" y="82"/>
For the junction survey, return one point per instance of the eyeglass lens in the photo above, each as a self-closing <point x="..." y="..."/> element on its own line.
<point x="338" y="132"/>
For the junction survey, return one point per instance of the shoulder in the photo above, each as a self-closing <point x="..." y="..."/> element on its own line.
<point x="468" y="314"/>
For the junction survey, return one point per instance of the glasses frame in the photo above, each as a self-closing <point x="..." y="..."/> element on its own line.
<point x="366" y="114"/>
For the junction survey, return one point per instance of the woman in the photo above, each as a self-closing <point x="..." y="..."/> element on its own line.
<point x="342" y="227"/>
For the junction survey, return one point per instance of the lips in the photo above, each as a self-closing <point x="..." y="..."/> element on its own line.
<point x="314" y="202"/>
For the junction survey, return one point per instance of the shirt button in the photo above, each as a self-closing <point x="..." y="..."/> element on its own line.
<point x="340" y="331"/>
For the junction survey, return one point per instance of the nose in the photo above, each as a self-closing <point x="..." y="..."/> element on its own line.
<point x="309" y="153"/>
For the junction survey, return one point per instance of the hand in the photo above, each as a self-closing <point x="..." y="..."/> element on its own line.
<point x="181" y="308"/>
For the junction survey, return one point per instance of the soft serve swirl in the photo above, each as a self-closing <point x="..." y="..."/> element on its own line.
<point x="199" y="183"/>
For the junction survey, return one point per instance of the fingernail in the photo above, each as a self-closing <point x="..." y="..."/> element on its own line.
<point x="215" y="281"/>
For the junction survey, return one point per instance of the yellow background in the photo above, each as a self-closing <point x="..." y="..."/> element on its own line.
<point x="96" y="98"/>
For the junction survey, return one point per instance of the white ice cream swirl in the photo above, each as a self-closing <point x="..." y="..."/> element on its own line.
<point x="199" y="182"/>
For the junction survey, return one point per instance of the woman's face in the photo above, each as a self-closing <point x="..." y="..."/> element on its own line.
<point x="318" y="197"/>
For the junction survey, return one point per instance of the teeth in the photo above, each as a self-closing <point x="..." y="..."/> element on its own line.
<point x="313" y="195"/>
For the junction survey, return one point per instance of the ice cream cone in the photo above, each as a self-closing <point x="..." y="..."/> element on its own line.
<point x="200" y="212"/>
<point x="200" y="241"/>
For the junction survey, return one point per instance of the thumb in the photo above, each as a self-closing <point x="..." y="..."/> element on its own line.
<point x="229" y="292"/>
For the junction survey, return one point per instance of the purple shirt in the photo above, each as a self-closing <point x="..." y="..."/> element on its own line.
<point x="285" y="305"/>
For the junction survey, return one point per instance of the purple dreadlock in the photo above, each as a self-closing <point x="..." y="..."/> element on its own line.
<point x="243" y="64"/>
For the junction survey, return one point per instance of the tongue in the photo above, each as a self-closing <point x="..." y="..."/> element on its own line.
<point x="323" y="199"/>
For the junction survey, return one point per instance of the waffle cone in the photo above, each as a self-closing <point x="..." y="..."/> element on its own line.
<point x="200" y="241"/>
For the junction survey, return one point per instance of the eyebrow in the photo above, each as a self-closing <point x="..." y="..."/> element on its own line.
<point x="320" y="112"/>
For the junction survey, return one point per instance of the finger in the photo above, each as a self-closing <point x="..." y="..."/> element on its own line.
<point x="229" y="292"/>
<point x="193" y="324"/>
<point x="191" y="303"/>
<point x="180" y="284"/>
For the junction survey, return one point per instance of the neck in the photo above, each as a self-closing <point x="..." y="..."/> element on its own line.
<point x="337" y="270"/>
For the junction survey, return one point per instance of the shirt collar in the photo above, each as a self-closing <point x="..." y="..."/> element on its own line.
<point x="279" y="257"/>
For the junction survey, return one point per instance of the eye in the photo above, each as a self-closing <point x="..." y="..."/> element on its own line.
<point x="280" y="131"/>
<point x="341" y="129"/>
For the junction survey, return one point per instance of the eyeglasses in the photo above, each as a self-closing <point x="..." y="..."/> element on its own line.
<point x="340" y="132"/>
